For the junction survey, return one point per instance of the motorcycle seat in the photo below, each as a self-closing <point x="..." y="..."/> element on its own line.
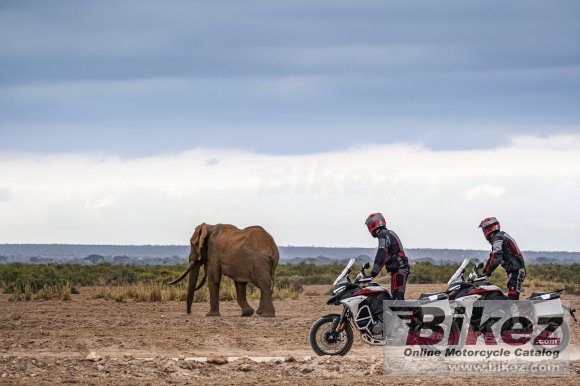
<point x="438" y="294"/>
<point x="546" y="295"/>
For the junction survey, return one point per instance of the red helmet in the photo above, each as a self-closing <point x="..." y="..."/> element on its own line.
<point x="489" y="225"/>
<point x="375" y="221"/>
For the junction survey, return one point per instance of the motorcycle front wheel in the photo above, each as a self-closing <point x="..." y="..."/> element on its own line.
<point x="326" y="342"/>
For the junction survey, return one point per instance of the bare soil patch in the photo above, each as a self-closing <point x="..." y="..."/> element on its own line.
<point x="47" y="342"/>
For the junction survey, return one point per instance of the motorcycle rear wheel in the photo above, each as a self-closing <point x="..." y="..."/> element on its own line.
<point x="563" y="334"/>
<point x="323" y="340"/>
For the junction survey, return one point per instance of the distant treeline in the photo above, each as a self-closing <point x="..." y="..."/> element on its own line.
<point x="177" y="254"/>
<point x="17" y="276"/>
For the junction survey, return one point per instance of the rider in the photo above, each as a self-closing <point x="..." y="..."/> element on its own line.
<point x="506" y="252"/>
<point x="389" y="253"/>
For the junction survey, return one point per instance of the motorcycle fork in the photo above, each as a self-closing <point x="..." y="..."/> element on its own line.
<point x="340" y="323"/>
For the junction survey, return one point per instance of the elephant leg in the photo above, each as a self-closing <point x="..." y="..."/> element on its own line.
<point x="214" y="279"/>
<point x="241" y="296"/>
<point x="262" y="280"/>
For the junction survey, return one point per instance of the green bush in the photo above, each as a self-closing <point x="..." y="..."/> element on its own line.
<point x="31" y="278"/>
<point x="16" y="276"/>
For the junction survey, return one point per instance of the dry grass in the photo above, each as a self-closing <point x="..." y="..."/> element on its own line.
<point x="570" y="288"/>
<point x="47" y="292"/>
<point x="155" y="292"/>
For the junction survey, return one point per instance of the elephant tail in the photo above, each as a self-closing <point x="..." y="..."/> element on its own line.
<point x="273" y="267"/>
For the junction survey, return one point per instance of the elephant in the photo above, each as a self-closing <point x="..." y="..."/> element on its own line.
<point x="247" y="255"/>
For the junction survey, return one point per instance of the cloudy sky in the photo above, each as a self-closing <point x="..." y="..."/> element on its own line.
<point x="129" y="122"/>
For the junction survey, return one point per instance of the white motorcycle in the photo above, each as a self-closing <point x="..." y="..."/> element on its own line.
<point x="476" y="289"/>
<point x="362" y="307"/>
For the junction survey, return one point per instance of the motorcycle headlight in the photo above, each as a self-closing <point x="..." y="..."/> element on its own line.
<point x="338" y="290"/>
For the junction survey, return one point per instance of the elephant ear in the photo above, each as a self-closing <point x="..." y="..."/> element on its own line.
<point x="202" y="237"/>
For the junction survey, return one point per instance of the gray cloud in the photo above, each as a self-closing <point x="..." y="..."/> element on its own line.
<point x="212" y="161"/>
<point x="139" y="77"/>
<point x="90" y="199"/>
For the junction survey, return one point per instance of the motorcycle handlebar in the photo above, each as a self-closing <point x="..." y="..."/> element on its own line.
<point x="476" y="268"/>
<point x="475" y="277"/>
<point x="362" y="276"/>
<point x="479" y="278"/>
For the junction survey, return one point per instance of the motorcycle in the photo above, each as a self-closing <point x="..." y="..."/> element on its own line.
<point x="466" y="292"/>
<point x="362" y="300"/>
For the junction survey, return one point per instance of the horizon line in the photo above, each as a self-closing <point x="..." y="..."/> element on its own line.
<point x="279" y="246"/>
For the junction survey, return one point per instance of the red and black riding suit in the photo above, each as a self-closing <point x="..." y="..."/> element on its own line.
<point x="506" y="252"/>
<point x="391" y="254"/>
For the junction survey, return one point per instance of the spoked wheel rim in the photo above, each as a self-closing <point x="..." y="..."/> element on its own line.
<point x="329" y="341"/>
<point x="562" y="335"/>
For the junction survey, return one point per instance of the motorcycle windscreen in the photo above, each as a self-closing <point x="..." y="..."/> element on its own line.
<point x="459" y="272"/>
<point x="344" y="272"/>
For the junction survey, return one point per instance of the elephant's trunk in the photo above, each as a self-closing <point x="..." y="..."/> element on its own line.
<point x="192" y="288"/>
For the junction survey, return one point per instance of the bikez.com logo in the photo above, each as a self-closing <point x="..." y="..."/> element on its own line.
<point x="432" y="326"/>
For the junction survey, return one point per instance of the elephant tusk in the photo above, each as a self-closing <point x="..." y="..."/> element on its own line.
<point x="202" y="280"/>
<point x="184" y="274"/>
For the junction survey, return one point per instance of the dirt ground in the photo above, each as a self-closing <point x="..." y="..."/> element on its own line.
<point x="152" y="343"/>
